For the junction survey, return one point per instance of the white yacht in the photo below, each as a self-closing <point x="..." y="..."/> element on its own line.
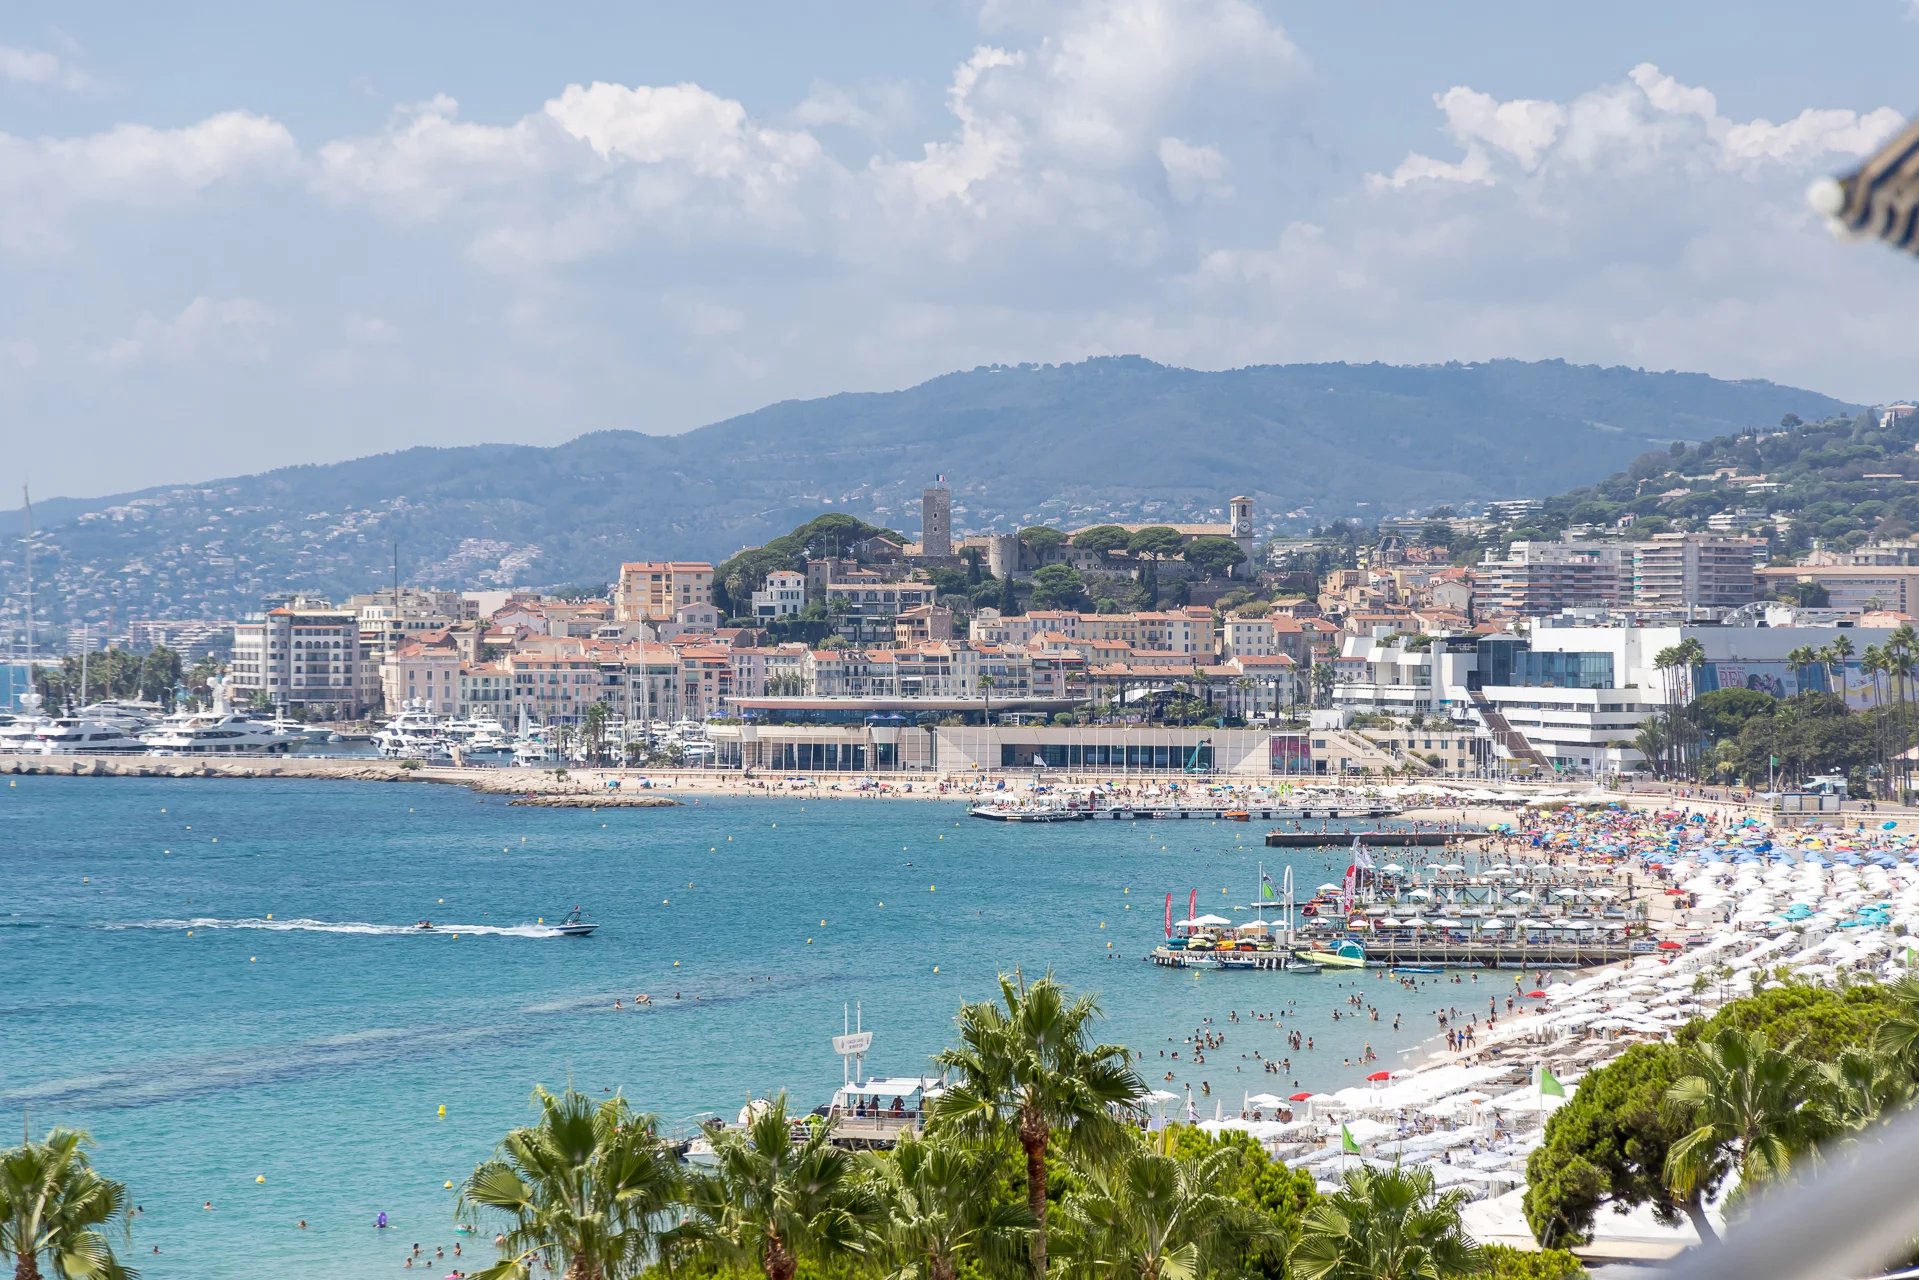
<point x="415" y="733"/>
<point x="17" y="737"/>
<point x="221" y="731"/>
<point x="81" y="736"/>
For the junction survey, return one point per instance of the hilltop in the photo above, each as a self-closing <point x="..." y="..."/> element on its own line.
<point x="1118" y="438"/>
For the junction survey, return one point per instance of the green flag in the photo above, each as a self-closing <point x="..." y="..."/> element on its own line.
<point x="1346" y="1142"/>
<point x="1266" y="890"/>
<point x="1775" y="762"/>
<point x="1549" y="1086"/>
<point x="1912" y="957"/>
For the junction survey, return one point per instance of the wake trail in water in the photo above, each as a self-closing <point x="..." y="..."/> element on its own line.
<point x="361" y="928"/>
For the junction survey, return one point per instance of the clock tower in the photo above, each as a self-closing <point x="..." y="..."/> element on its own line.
<point x="1241" y="509"/>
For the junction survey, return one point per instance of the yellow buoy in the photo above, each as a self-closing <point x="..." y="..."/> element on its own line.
<point x="448" y="1185"/>
<point x="822" y="924"/>
<point x="541" y="919"/>
<point x="712" y="848"/>
<point x="86" y="879"/>
<point x="260" y="1177"/>
<point x="456" y="937"/>
<point x="936" y="968"/>
<point x="443" y="1111"/>
<point x="932" y="888"/>
<point x="676" y="964"/>
<point x="269" y="915"/>
<point x="189" y="933"/>
<point x="253" y="959"/>
<point x="441" y="901"/>
<point x="666" y="902"/>
<point x="809" y="942"/>
<point x="1109" y="946"/>
<point x="882" y="904"/>
<point x="1102" y="924"/>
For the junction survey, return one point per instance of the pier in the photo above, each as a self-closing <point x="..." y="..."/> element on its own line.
<point x="1032" y="812"/>
<point x="1569" y="955"/>
<point x="1408" y="838"/>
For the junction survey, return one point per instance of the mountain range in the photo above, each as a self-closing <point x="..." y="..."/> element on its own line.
<point x="1115" y="438"/>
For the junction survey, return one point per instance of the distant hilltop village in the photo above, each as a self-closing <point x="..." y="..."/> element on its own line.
<point x="1565" y="635"/>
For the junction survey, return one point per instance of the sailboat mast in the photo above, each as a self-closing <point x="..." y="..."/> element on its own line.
<point x="26" y="500"/>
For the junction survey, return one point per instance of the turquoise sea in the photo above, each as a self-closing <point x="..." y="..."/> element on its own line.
<point x="216" y="979"/>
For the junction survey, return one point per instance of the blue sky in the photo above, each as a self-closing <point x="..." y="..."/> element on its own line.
<point x="239" y="236"/>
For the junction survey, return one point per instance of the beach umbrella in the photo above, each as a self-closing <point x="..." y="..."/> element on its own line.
<point x="1300" y="1097"/>
<point x="1669" y="945"/>
<point x="1380" y="1075"/>
<point x="1536" y="995"/>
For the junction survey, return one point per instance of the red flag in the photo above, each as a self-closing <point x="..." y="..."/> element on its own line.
<point x="1352" y="874"/>
<point x="1169" y="915"/>
<point x="1192" y="906"/>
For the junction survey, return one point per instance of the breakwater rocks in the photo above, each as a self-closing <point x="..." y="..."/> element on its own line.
<point x="536" y="788"/>
<point x="596" y="800"/>
<point x="195" y="767"/>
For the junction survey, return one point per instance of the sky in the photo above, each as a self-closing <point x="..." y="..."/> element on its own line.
<point x="235" y="236"/>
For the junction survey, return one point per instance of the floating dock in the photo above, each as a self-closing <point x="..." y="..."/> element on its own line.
<point x="1408" y="838"/>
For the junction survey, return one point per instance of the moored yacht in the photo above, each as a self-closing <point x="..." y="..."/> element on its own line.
<point x="17" y="736"/>
<point x="221" y="732"/>
<point x="80" y="736"/>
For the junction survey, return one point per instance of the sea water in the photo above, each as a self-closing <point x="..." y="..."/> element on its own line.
<point x="220" y="981"/>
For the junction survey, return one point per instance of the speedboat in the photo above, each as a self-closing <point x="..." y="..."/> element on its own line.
<point x="17" y="736"/>
<point x="573" y="926"/>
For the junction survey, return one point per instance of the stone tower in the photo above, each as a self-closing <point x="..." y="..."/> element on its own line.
<point x="936" y="521"/>
<point x="1242" y="513"/>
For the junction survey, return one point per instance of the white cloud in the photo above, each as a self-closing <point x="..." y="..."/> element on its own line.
<point x="1649" y="122"/>
<point x="38" y="67"/>
<point x="1193" y="173"/>
<point x="42" y="179"/>
<point x="217" y="329"/>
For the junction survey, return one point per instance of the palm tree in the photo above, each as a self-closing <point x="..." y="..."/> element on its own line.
<point x="1152" y="1216"/>
<point x="771" y="1201"/>
<point x="1802" y="659"/>
<point x="1897" y="1036"/>
<point x="1385" y="1224"/>
<point x="940" y="1201"/>
<point x="1031" y="1066"/>
<point x="1873" y="664"/>
<point x="1650" y="741"/>
<point x="986" y="689"/>
<point x="1746" y="1101"/>
<point x="53" y="1205"/>
<point x="583" y="1190"/>
<point x="1837" y="655"/>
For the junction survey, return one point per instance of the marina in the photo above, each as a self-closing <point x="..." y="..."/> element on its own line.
<point x="1400" y="838"/>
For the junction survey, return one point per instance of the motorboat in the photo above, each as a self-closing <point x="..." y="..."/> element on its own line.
<point x="1299" y="964"/>
<point x="222" y="733"/>
<point x="573" y="926"/>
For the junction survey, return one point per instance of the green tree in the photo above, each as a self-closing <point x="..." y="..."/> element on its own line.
<point x="1150" y="1216"/>
<point x="1608" y="1145"/>
<point x="1747" y="1103"/>
<point x="1103" y="539"/>
<point x="1058" y="586"/>
<point x="1385" y="1224"/>
<point x="54" y="1206"/>
<point x="942" y="1205"/>
<point x="1277" y="1193"/>
<point x="583" y="1191"/>
<point x="1042" y="540"/>
<point x="1723" y="712"/>
<point x="771" y="1202"/>
<point x="1213" y="557"/>
<point x="1155" y="542"/>
<point x="1030" y="1065"/>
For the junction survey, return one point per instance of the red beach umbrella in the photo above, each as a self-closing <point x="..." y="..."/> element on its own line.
<point x="1670" y="945"/>
<point x="1380" y="1075"/>
<point x="1535" y="995"/>
<point x="1300" y="1097"/>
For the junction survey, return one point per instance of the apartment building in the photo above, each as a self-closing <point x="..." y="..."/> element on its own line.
<point x="1695" y="570"/>
<point x="655" y="590"/>
<point x="1852" y="588"/>
<point x="303" y="655"/>
<point x="1545" y="577"/>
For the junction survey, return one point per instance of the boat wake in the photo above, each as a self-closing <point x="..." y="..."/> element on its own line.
<point x="352" y="927"/>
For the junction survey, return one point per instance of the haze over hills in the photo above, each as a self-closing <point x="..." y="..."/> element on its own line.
<point x="1112" y="438"/>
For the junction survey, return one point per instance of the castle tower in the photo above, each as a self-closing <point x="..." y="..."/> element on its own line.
<point x="1241" y="509"/>
<point x="936" y="521"/>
